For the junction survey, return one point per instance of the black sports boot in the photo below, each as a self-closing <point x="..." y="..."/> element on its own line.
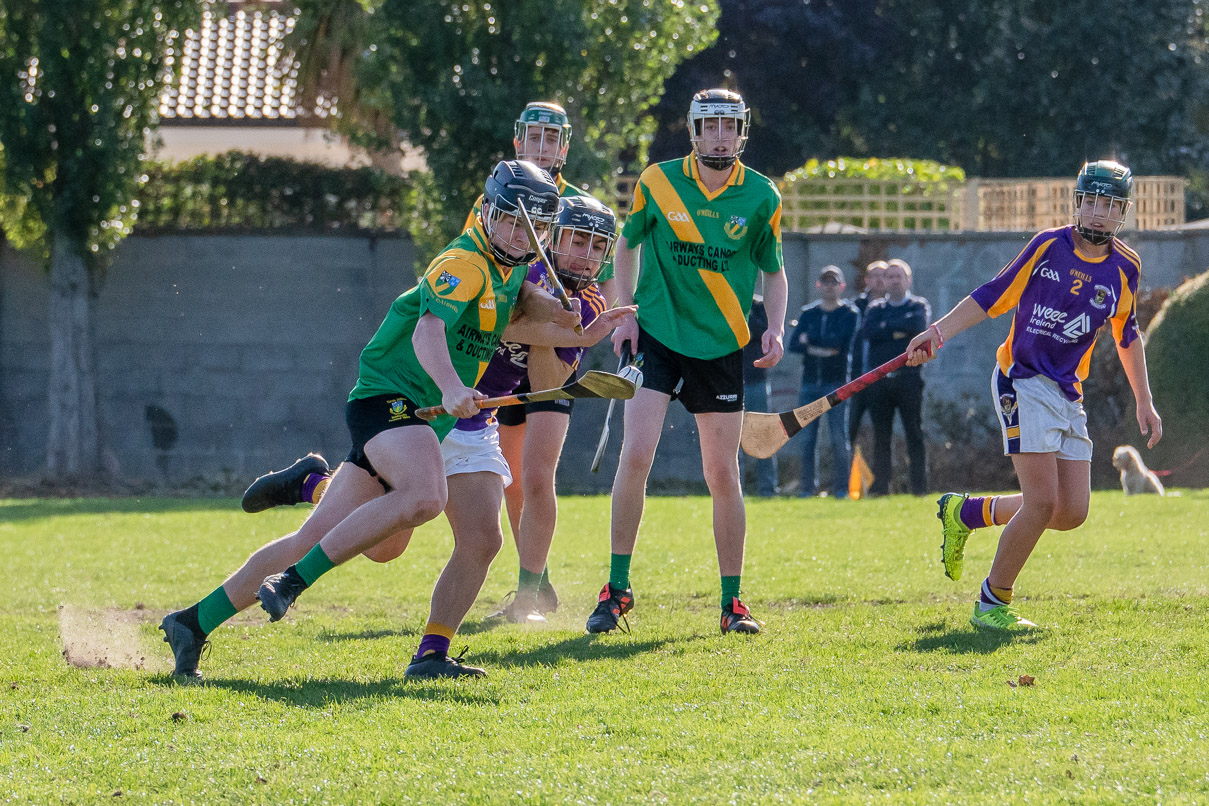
<point x="283" y="488"/>
<point x="439" y="664"/>
<point x="737" y="618"/>
<point x="611" y="608"/>
<point x="186" y="646"/>
<point x="278" y="592"/>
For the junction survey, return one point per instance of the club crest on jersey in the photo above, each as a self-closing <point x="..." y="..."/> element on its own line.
<point x="1100" y="299"/>
<point x="1007" y="404"/>
<point x="398" y="409"/>
<point x="736" y="228"/>
<point x="446" y="282"/>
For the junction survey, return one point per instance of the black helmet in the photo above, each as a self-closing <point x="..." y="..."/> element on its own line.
<point x="581" y="214"/>
<point x="511" y="184"/>
<point x="1112" y="182"/>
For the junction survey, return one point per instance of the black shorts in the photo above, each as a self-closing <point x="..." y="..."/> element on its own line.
<point x="515" y="415"/>
<point x="709" y="384"/>
<point x="369" y="416"/>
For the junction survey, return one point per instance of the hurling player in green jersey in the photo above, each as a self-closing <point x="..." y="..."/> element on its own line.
<point x="431" y="348"/>
<point x="701" y="231"/>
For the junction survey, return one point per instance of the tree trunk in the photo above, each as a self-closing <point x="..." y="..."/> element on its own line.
<point x="73" y="447"/>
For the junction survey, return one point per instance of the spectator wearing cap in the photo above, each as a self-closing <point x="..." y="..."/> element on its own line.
<point x="756" y="392"/>
<point x="890" y="323"/>
<point x="824" y="335"/>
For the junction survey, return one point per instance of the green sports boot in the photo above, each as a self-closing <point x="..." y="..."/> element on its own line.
<point x="953" y="549"/>
<point x="1003" y="618"/>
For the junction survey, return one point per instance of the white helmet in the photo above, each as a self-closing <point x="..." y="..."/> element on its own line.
<point x="718" y="104"/>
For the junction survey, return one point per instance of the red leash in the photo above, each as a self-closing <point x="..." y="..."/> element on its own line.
<point x="1182" y="467"/>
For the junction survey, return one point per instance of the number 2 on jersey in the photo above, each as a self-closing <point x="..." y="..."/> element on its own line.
<point x="1075" y="286"/>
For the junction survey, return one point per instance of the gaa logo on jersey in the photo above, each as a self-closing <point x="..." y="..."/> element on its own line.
<point x="1100" y="299"/>
<point x="736" y="228"/>
<point x="446" y="282"/>
<point x="397" y="409"/>
<point x="679" y="216"/>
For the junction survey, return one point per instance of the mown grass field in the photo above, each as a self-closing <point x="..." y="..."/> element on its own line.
<point x="868" y="684"/>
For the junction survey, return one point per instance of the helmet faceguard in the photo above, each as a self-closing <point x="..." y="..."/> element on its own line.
<point x="582" y="237"/>
<point x="1109" y="186"/>
<point x="708" y="141"/>
<point x="536" y="119"/>
<point x="511" y="184"/>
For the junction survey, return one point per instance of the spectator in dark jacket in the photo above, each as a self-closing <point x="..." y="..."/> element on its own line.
<point x="824" y="334"/>
<point x="890" y="323"/>
<point x="875" y="288"/>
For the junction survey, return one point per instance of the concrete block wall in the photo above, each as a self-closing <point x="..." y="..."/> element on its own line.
<point x="250" y="344"/>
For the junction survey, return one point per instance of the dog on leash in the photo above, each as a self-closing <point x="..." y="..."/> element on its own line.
<point x="1136" y="478"/>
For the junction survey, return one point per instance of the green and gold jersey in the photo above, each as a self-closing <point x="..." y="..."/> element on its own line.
<point x="565" y="189"/>
<point x="472" y="294"/>
<point x="701" y="254"/>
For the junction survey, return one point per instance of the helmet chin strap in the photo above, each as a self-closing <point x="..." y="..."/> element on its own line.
<point x="1094" y="236"/>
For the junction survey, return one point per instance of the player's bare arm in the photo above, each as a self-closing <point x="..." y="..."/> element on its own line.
<point x="776" y="300"/>
<point x="964" y="316"/>
<point x="625" y="271"/>
<point x="538" y="305"/>
<point x="432" y="351"/>
<point x="524" y="330"/>
<point x="1133" y="361"/>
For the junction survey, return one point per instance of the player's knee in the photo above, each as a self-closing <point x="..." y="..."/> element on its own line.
<point x="482" y="546"/>
<point x="635" y="461"/>
<point x="723" y="477"/>
<point x="421" y="508"/>
<point x="1068" y="517"/>
<point x="1041" y="508"/>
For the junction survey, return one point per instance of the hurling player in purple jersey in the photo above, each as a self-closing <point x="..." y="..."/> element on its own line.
<point x="1065" y="285"/>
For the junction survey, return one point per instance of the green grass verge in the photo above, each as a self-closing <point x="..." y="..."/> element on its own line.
<point x="867" y="685"/>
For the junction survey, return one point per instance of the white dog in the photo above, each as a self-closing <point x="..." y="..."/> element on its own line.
<point x="1135" y="476"/>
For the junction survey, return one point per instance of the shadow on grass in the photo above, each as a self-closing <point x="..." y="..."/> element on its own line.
<point x="579" y="648"/>
<point x="335" y="636"/>
<point x="322" y="692"/>
<point x="26" y="510"/>
<point x="940" y="636"/>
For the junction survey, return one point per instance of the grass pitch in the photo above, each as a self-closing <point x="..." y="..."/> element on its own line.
<point x="867" y="685"/>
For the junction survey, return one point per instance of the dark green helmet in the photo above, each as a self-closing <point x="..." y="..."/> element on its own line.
<point x="1110" y="186"/>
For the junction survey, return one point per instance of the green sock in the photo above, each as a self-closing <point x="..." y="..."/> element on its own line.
<point x="619" y="571"/>
<point x="314" y="565"/>
<point x="545" y="580"/>
<point x="214" y="610"/>
<point x="730" y="589"/>
<point x="528" y="581"/>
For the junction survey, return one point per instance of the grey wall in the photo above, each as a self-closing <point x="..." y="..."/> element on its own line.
<point x="250" y="343"/>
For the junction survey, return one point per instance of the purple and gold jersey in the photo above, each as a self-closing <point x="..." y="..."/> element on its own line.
<point x="510" y="364"/>
<point x="1062" y="298"/>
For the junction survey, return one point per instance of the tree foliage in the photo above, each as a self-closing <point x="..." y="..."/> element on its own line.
<point x="999" y="87"/>
<point x="80" y="91"/>
<point x="453" y="77"/>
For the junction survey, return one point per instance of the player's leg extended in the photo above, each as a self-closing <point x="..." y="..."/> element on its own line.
<point x="409" y="461"/>
<point x="1038" y="475"/>
<point x="543" y="446"/>
<point x="719" y="434"/>
<point x="512" y="442"/>
<point x="186" y="631"/>
<point x="644" y="415"/>
<point x="474" y="515"/>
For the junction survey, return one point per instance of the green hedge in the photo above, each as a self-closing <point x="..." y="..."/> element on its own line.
<point x="238" y="191"/>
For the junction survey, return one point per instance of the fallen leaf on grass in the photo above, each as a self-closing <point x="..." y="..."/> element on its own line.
<point x="179" y="716"/>
<point x="1028" y="680"/>
<point x="1011" y="683"/>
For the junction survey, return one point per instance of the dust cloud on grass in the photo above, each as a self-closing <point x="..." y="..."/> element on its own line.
<point x="107" y="639"/>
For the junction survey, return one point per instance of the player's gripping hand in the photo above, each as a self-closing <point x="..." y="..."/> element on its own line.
<point x="459" y="401"/>
<point x="1150" y="423"/>
<point x="568" y="319"/>
<point x="923" y="347"/>
<point x="774" y="349"/>
<point x="626" y="331"/>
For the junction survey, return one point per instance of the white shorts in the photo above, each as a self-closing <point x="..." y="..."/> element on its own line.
<point x="1035" y="417"/>
<point x="475" y="452"/>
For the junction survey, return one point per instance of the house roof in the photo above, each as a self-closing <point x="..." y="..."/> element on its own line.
<point x="235" y="70"/>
